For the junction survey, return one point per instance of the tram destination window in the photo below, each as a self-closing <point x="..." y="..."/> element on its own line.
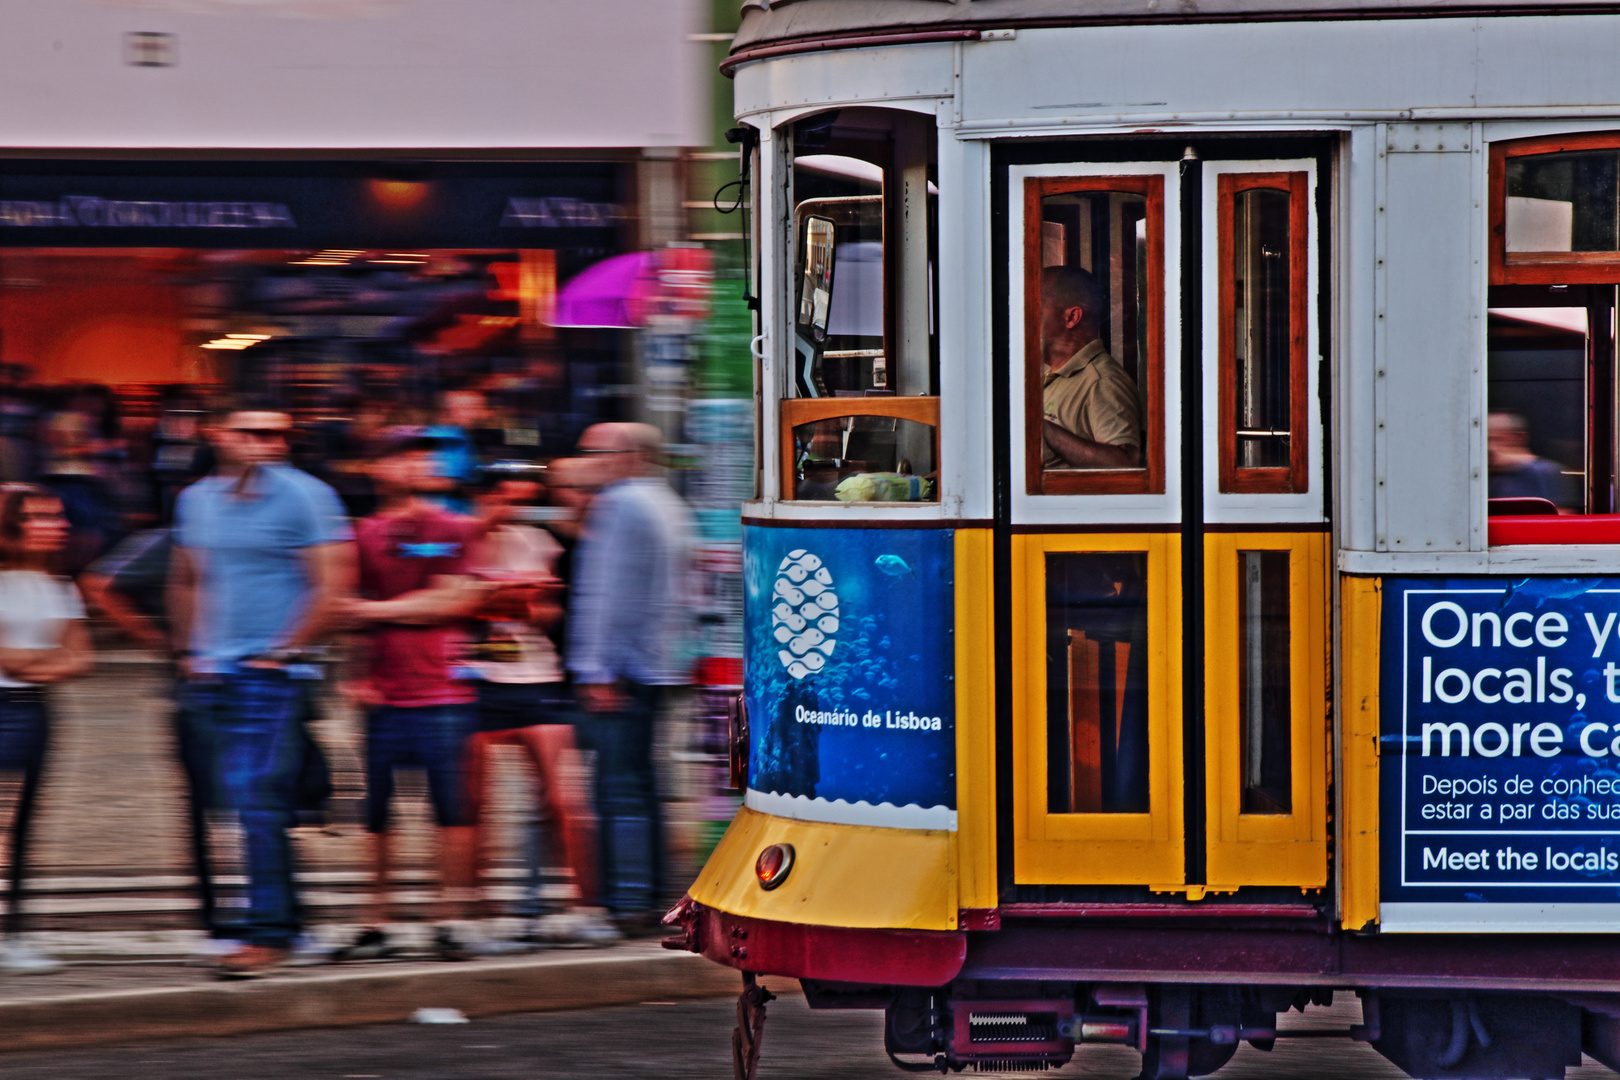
<point x="1096" y="683"/>
<point x="1550" y="332"/>
<point x="860" y="411"/>
<point x="1093" y="334"/>
<point x="1263" y="331"/>
<point x="1265" y="695"/>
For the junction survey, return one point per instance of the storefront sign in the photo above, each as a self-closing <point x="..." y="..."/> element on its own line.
<point x="849" y="675"/>
<point x="313" y="205"/>
<point x="1500" y="754"/>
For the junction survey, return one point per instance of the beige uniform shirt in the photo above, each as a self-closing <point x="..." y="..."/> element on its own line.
<point x="1092" y="397"/>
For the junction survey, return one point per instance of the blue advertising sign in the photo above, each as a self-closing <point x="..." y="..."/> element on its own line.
<point x="850" y="675"/>
<point x="1500" y="754"/>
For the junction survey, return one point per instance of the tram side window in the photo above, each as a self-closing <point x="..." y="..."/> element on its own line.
<point x="1550" y="344"/>
<point x="860" y="413"/>
<point x="1263" y="331"/>
<point x="1093" y="273"/>
<point x="1096" y="683"/>
<point x="1265" y="695"/>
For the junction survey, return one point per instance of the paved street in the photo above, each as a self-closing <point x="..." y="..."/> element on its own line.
<point x="668" y="1041"/>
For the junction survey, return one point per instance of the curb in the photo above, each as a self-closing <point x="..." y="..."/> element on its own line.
<point x="323" y="997"/>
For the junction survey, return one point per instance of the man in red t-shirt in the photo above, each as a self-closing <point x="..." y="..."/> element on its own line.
<point x="416" y="593"/>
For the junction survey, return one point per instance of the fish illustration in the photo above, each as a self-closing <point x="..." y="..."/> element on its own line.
<point x="893" y="565"/>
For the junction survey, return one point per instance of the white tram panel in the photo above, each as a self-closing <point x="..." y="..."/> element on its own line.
<point x="1408" y="274"/>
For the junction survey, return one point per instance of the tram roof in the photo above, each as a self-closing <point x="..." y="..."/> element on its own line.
<point x="773" y="27"/>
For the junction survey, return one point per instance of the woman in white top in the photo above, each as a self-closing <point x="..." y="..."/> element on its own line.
<point x="42" y="641"/>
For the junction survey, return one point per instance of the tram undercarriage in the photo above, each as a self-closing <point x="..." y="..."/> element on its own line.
<point x="1007" y="1001"/>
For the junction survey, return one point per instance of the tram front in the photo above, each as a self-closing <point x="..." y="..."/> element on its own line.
<point x="1148" y="485"/>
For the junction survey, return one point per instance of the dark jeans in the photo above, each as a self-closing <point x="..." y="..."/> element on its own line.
<point x="24" y="734"/>
<point x="432" y="738"/>
<point x="194" y="743"/>
<point x="256" y="721"/>
<point x="629" y="819"/>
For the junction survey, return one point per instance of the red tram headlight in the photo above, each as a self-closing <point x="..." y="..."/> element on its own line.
<point x="774" y="865"/>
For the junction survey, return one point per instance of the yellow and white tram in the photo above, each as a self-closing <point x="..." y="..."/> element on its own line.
<point x="1183" y="579"/>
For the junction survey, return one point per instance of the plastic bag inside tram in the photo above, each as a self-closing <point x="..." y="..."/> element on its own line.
<point x="861" y="413"/>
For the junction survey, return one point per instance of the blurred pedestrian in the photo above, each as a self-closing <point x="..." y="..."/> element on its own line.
<point x="73" y="474"/>
<point x="261" y="563"/>
<point x="42" y="641"/>
<point x="1516" y="472"/>
<point x="626" y="615"/>
<point x="524" y="699"/>
<point x="455" y="453"/>
<point x="416" y="594"/>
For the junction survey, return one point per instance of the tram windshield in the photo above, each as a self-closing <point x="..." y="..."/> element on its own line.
<point x="860" y="415"/>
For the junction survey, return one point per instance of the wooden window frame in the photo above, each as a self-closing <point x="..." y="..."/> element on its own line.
<point x="1549" y="267"/>
<point x="1295" y="477"/>
<point x="799" y="411"/>
<point x="1146" y="479"/>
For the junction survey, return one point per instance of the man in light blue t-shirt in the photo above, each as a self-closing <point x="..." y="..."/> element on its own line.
<point x="262" y="561"/>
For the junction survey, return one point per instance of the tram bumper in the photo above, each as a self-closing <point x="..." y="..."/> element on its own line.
<point x="805" y="951"/>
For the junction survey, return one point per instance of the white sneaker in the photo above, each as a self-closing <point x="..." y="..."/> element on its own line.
<point x="581" y="927"/>
<point x="18" y="958"/>
<point x="595" y="928"/>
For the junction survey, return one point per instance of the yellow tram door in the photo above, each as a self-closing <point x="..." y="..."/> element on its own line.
<point x="1168" y="528"/>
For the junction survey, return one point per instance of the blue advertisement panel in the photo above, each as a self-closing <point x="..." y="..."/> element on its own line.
<point x="850" y="675"/>
<point x="1500" y="754"/>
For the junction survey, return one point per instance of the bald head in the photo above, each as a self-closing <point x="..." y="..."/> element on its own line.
<point x="1072" y="302"/>
<point x="627" y="449"/>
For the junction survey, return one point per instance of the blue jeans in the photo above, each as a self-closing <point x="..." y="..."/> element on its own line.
<point x="255" y="717"/>
<point x="629" y="819"/>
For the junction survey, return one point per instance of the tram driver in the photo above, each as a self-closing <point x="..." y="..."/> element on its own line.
<point x="1092" y="414"/>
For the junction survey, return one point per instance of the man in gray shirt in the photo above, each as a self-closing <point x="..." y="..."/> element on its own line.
<point x="626" y="617"/>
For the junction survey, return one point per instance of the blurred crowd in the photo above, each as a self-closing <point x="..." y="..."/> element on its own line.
<point x="461" y="601"/>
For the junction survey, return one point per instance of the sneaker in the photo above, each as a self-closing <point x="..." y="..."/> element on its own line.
<point x="595" y="929"/>
<point x="581" y="929"/>
<point x="20" y="959"/>
<point x="447" y="947"/>
<point x="372" y="944"/>
<point x="310" y="951"/>
<point x="251" y="961"/>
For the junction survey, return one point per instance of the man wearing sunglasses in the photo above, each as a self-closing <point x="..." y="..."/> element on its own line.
<point x="263" y="559"/>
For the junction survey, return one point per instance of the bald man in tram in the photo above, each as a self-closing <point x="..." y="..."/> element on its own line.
<point x="1092" y="414"/>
